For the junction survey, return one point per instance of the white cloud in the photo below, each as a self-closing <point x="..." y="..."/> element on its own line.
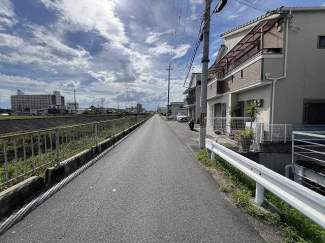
<point x="7" y="14"/>
<point x="71" y="84"/>
<point x="164" y="48"/>
<point x="90" y="15"/>
<point x="10" y="41"/>
<point x="194" y="4"/>
<point x="43" y="49"/>
<point x="103" y="76"/>
<point x="23" y="82"/>
<point x="152" y="37"/>
<point x="215" y="54"/>
<point x="232" y="16"/>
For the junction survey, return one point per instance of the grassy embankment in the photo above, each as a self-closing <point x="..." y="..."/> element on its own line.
<point x="295" y="227"/>
<point x="28" y="117"/>
<point x="68" y="147"/>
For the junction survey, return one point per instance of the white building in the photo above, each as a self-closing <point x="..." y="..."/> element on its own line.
<point x="176" y="108"/>
<point x="276" y="61"/>
<point x="21" y="102"/>
<point x="139" y="108"/>
<point x="192" y="100"/>
<point x="72" y="107"/>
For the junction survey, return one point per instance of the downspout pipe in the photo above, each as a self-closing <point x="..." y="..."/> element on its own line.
<point x="274" y="80"/>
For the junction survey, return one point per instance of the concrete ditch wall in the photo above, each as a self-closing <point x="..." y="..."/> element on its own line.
<point x="15" y="197"/>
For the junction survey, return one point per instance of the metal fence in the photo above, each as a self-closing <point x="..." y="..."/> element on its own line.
<point x="27" y="154"/>
<point x="282" y="133"/>
<point x="301" y="198"/>
<point x="308" y="159"/>
<point x="237" y="128"/>
<point x="241" y="130"/>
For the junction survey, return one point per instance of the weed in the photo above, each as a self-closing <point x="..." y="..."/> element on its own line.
<point x="226" y="188"/>
<point x="296" y="226"/>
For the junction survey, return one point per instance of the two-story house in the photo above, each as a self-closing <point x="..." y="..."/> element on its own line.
<point x="276" y="61"/>
<point x="192" y="100"/>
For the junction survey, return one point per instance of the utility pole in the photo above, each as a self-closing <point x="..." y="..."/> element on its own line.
<point x="169" y="69"/>
<point x="75" y="102"/>
<point x="204" y="81"/>
<point x="205" y="63"/>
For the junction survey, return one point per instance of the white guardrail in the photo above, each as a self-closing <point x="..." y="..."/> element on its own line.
<point x="301" y="198"/>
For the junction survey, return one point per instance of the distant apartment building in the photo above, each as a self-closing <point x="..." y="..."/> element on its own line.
<point x="72" y="107"/>
<point x="193" y="97"/>
<point x="176" y="108"/>
<point x="162" y="110"/>
<point x="139" y="108"/>
<point x="22" y="102"/>
<point x="275" y="61"/>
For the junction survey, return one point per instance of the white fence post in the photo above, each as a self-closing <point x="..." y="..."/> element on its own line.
<point x="261" y="132"/>
<point x="285" y="133"/>
<point x="213" y="156"/>
<point x="259" y="194"/>
<point x="96" y="135"/>
<point x="57" y="146"/>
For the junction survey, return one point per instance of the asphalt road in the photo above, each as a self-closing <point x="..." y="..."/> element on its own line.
<point x="149" y="188"/>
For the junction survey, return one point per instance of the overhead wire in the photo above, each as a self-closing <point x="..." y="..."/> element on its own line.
<point x="198" y="41"/>
<point x="251" y="5"/>
<point x="184" y="30"/>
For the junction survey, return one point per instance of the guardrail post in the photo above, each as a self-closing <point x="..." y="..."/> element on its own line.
<point x="259" y="195"/>
<point x="213" y="156"/>
<point x="113" y="129"/>
<point x="96" y="135"/>
<point x="57" y="146"/>
<point x="6" y="159"/>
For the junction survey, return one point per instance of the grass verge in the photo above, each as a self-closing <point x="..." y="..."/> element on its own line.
<point x="28" y="117"/>
<point x="295" y="227"/>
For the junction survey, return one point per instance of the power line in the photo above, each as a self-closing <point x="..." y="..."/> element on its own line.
<point x="198" y="41"/>
<point x="249" y="4"/>
<point x="172" y="32"/>
<point x="180" y="3"/>
<point x="188" y="1"/>
<point x="257" y="5"/>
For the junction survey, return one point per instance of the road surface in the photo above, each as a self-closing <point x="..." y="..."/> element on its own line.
<point x="149" y="188"/>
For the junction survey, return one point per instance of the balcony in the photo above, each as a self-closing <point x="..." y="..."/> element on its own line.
<point x="247" y="73"/>
<point x="189" y="101"/>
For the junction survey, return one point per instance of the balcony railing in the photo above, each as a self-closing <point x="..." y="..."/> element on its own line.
<point x="189" y="101"/>
<point x="231" y="127"/>
<point x="238" y="65"/>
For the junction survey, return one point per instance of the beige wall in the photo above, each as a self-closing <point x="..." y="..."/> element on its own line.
<point x="232" y="40"/>
<point x="222" y="99"/>
<point x="256" y="94"/>
<point x="197" y="102"/>
<point x="273" y="66"/>
<point x="273" y="38"/>
<point x="306" y="68"/>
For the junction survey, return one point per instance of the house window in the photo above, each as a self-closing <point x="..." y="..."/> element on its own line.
<point x="241" y="73"/>
<point x="321" y="42"/>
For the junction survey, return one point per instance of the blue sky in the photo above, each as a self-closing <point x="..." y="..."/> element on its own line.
<point x="113" y="49"/>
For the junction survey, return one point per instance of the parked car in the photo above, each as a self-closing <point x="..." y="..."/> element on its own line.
<point x="182" y="119"/>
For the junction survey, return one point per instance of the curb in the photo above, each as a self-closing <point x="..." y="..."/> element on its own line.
<point x="56" y="177"/>
<point x="17" y="195"/>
